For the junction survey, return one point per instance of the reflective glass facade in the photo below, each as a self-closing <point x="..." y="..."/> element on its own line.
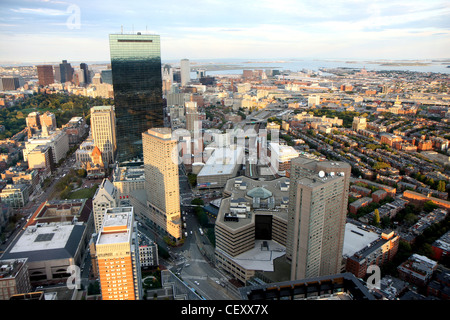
<point x="136" y="77"/>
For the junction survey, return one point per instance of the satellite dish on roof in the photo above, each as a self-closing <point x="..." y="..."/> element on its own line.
<point x="332" y="174"/>
<point x="321" y="174"/>
<point x="343" y="173"/>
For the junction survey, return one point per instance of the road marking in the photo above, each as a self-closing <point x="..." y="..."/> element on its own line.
<point x="194" y="277"/>
<point x="198" y="260"/>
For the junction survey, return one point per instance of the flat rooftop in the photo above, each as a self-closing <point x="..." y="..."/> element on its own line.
<point x="222" y="161"/>
<point x="46" y="242"/>
<point x="357" y="238"/>
<point x="114" y="237"/>
<point x="117" y="226"/>
<point x="261" y="257"/>
<point x="43" y="238"/>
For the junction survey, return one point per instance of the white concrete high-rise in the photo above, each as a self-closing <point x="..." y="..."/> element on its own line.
<point x="185" y="72"/>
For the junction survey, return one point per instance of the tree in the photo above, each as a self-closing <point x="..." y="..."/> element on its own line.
<point x="441" y="186"/>
<point x="82" y="173"/>
<point x="410" y="219"/>
<point x="376" y="217"/>
<point x="381" y="165"/>
<point x="197" y="202"/>
<point x="429" y="206"/>
<point x="192" y="178"/>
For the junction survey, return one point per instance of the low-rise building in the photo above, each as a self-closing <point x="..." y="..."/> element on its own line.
<point x="148" y="255"/>
<point x="223" y="164"/>
<point x="363" y="248"/>
<point x="441" y="247"/>
<point x="128" y="179"/>
<point x="14" y="278"/>
<point x="49" y="249"/>
<point x="356" y="205"/>
<point x="15" y="195"/>
<point x="58" y="140"/>
<point x="281" y="156"/>
<point x="417" y="269"/>
<point x="76" y="128"/>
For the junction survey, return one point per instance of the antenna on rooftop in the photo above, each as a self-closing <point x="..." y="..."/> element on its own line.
<point x="121" y="29"/>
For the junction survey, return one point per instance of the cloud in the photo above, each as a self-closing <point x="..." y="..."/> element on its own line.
<point x="235" y="28"/>
<point x="41" y="11"/>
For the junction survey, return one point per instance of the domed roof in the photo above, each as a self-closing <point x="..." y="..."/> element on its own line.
<point x="259" y="192"/>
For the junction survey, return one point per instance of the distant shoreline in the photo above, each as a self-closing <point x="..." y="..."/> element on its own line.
<point x="406" y="64"/>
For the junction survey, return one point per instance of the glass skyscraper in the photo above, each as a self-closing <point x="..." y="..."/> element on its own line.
<point x="137" y="83"/>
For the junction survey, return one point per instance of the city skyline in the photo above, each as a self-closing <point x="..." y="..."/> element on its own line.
<point x="211" y="29"/>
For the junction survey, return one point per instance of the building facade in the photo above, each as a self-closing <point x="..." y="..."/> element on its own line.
<point x="185" y="72"/>
<point x="317" y="214"/>
<point x="14" y="278"/>
<point x="45" y="75"/>
<point x="161" y="179"/>
<point x="105" y="197"/>
<point x="252" y="219"/>
<point x="58" y="141"/>
<point x="103" y="128"/>
<point x="118" y="256"/>
<point x="136" y="77"/>
<point x="15" y="195"/>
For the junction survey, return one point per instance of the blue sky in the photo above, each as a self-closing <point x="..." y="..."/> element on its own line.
<point x="52" y="30"/>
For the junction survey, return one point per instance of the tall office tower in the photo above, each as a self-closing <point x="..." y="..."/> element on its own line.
<point x="103" y="128"/>
<point x="118" y="256"/>
<point x="137" y="84"/>
<point x="66" y="72"/>
<point x="57" y="73"/>
<point x="185" y="72"/>
<point x="9" y="83"/>
<point x="161" y="179"/>
<point x="193" y="122"/>
<point x="106" y="76"/>
<point x="316" y="217"/>
<point x="45" y="75"/>
<point x="85" y="69"/>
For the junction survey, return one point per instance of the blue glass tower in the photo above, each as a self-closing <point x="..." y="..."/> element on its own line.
<point x="137" y="84"/>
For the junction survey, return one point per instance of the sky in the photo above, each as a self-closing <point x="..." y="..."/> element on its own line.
<point x="53" y="30"/>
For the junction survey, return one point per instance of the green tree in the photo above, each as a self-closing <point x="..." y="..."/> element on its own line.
<point x="82" y="173"/>
<point x="376" y="217"/>
<point x="429" y="206"/>
<point x="441" y="186"/>
<point x="381" y="165"/>
<point x="410" y="219"/>
<point x="197" y="202"/>
<point x="192" y="178"/>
